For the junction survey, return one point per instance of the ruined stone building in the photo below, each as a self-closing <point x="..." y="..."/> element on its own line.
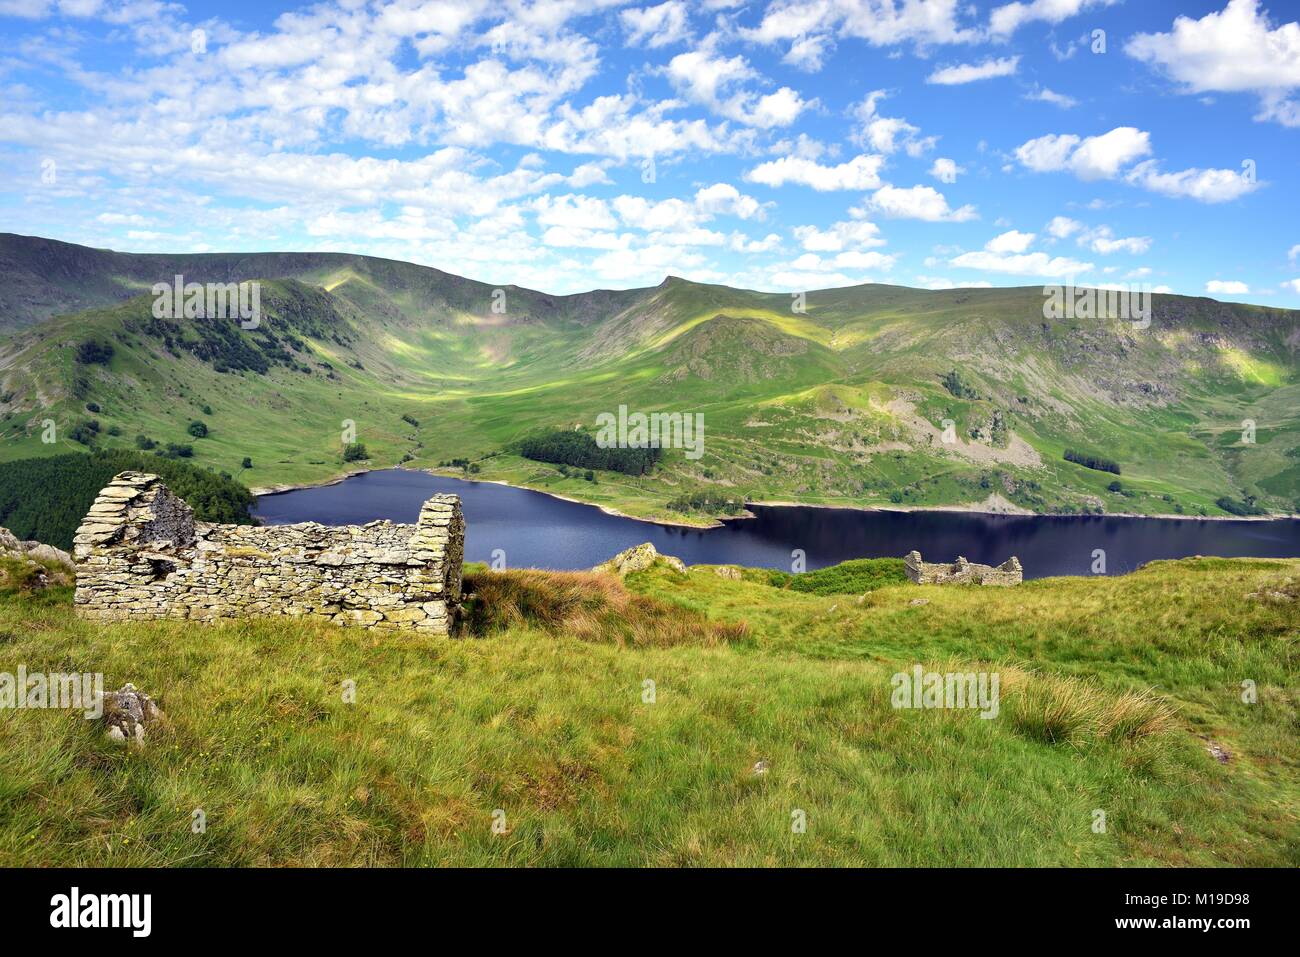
<point x="141" y="555"/>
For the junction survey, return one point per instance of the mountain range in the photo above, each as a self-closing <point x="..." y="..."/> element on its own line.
<point x="864" y="395"/>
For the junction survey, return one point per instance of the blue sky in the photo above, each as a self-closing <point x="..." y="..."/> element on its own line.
<point x="784" y="145"/>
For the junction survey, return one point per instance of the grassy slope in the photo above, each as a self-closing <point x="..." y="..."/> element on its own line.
<point x="552" y="730"/>
<point x="809" y="407"/>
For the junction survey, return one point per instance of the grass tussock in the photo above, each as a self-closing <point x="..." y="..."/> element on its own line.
<point x="589" y="606"/>
<point x="1061" y="710"/>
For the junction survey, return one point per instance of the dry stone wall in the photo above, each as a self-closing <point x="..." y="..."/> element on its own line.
<point x="141" y="555"/>
<point x="962" y="572"/>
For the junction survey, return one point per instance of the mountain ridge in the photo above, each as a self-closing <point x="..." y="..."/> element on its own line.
<point x="874" y="394"/>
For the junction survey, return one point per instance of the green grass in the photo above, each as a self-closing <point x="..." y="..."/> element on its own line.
<point x="1111" y="686"/>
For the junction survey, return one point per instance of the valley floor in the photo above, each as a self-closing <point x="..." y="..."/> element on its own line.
<point x="685" y="719"/>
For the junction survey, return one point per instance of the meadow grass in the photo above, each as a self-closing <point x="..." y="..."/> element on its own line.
<point x="1111" y="690"/>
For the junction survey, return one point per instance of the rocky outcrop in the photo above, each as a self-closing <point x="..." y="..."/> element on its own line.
<point x="141" y="555"/>
<point x="962" y="572"/>
<point x="131" y="716"/>
<point x="638" y="558"/>
<point x="33" y="565"/>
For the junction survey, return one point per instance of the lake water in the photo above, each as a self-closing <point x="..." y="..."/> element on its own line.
<point x="536" y="530"/>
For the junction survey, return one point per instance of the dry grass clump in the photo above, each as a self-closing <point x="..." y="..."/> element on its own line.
<point x="590" y="606"/>
<point x="1056" y="709"/>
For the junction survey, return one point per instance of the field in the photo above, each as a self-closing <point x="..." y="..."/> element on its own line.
<point x="769" y="706"/>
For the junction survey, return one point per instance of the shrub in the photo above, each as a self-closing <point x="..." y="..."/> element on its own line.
<point x="411" y="420"/>
<point x="847" y="578"/>
<point x="355" y="452"/>
<point x="588" y="606"/>
<point x="176" y="450"/>
<point x="247" y="463"/>
<point x="144" y="443"/>
<point x="198" y="429"/>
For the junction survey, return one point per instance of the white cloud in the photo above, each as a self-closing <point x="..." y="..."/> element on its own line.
<point x="1292" y="284"/>
<point x="970" y="72"/>
<point x="1063" y="226"/>
<point x="725" y="199"/>
<point x="717" y="82"/>
<point x="878" y="22"/>
<point x="887" y="134"/>
<point x="941" y="282"/>
<point x="1006" y="19"/>
<point x="946" y="170"/>
<point x="1293" y="252"/>
<point x="656" y="26"/>
<point x="1027" y="264"/>
<point x="839" y="236"/>
<point x="1012" y="241"/>
<point x="1230" y="287"/>
<point x="1103" y="240"/>
<point x="1044" y="95"/>
<point x="1206" y="185"/>
<point x="860" y="173"/>
<point x="919" y="202"/>
<point x="1092" y="158"/>
<point x="1236" y="49"/>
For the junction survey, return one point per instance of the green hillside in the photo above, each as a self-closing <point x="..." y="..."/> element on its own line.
<point x="1115" y="695"/>
<point x="845" y="403"/>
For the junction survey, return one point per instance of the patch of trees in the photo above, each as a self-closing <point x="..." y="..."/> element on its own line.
<point x="1244" y="507"/>
<point x="94" y="352"/>
<point x="411" y="420"/>
<point x="355" y="452"/>
<point x="707" y="501"/>
<point x="1090" y="461"/>
<point x="579" y="449"/>
<point x="46" y="499"/>
<point x="952" y="381"/>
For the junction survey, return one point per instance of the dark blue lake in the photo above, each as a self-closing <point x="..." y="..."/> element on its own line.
<point x="536" y="530"/>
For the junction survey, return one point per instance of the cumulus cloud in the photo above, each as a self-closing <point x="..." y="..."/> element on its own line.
<point x="860" y="173"/>
<point x="945" y="170"/>
<point x="858" y="233"/>
<point x="1230" y="287"/>
<point x="656" y="26"/>
<point x="1063" y="227"/>
<point x="721" y="84"/>
<point x="1104" y="241"/>
<point x="1234" y="50"/>
<point x="1006" y="19"/>
<point x="1012" y="241"/>
<point x="1090" y="158"/>
<point x="970" y="72"/>
<point x="1044" y="95"/>
<point x="919" y="202"/>
<point x="1205" y="185"/>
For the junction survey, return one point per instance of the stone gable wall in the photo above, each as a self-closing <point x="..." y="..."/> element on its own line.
<point x="141" y="555"/>
<point x="962" y="572"/>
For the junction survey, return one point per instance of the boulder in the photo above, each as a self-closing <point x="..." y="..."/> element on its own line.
<point x="638" y="558"/>
<point x="130" y="715"/>
<point x="40" y="565"/>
